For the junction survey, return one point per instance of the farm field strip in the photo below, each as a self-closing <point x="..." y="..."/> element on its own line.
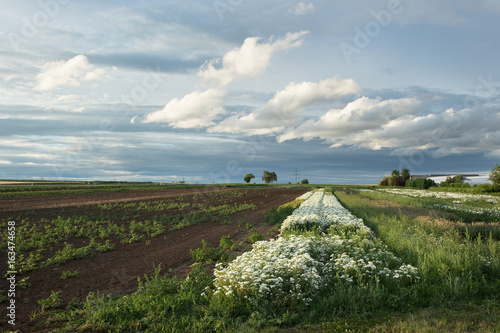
<point x="467" y="207"/>
<point x="457" y="197"/>
<point x="120" y="195"/>
<point x="321" y="244"/>
<point x="473" y="210"/>
<point x="128" y="231"/>
<point x="107" y="223"/>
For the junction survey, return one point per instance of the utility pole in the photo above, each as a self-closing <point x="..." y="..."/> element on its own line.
<point x="296" y="173"/>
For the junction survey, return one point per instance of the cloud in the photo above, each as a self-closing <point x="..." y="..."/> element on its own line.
<point x="286" y="105"/>
<point x="355" y="123"/>
<point x="73" y="73"/>
<point x="403" y="125"/>
<point x="200" y="108"/>
<point x="301" y="9"/>
<point x="249" y="60"/>
<point x="194" y="110"/>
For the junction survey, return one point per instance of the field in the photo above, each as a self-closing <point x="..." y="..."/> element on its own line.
<point x="342" y="259"/>
<point x="104" y="241"/>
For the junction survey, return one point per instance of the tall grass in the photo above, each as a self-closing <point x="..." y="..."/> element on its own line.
<point x="452" y="267"/>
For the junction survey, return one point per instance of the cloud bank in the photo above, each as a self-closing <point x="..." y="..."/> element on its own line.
<point x="200" y="108"/>
<point x="404" y="124"/>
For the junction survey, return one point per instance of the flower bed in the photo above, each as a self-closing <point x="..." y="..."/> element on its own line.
<point x="320" y="244"/>
<point x="458" y="197"/>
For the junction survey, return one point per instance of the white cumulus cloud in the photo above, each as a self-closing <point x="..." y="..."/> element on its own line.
<point x="73" y="73"/>
<point x="285" y="107"/>
<point x="194" y="110"/>
<point x="355" y="123"/>
<point x="200" y="108"/>
<point x="249" y="60"/>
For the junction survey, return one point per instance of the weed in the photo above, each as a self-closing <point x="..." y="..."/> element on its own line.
<point x="51" y="302"/>
<point x="69" y="274"/>
<point x="206" y="254"/>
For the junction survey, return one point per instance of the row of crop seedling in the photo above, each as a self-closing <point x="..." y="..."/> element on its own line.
<point x="320" y="245"/>
<point x="35" y="240"/>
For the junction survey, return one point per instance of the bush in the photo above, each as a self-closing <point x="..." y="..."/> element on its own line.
<point x="384" y="182"/>
<point x="482" y="188"/>
<point x="421" y="183"/>
<point x="455" y="181"/>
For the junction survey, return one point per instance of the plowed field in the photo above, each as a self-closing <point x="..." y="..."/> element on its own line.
<point x="116" y="271"/>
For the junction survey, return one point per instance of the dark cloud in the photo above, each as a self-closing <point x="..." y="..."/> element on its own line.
<point x="141" y="61"/>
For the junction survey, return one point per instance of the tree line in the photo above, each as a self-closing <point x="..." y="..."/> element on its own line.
<point x="403" y="178"/>
<point x="268" y="177"/>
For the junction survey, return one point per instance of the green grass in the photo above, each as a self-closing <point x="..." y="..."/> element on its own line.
<point x="453" y="268"/>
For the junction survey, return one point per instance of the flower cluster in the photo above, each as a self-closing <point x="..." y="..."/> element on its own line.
<point x="475" y="210"/>
<point x="305" y="196"/>
<point x="321" y="210"/>
<point x="332" y="246"/>
<point x="281" y="270"/>
<point x="458" y="197"/>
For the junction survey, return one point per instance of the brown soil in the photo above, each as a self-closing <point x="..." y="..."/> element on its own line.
<point x="75" y="200"/>
<point x="116" y="272"/>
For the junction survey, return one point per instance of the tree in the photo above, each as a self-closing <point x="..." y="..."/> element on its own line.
<point x="384" y="182"/>
<point x="405" y="173"/>
<point x="398" y="181"/>
<point x="304" y="181"/>
<point x="422" y="183"/>
<point x="269" y="177"/>
<point x="455" y="181"/>
<point x="248" y="177"/>
<point x="395" y="173"/>
<point x="495" y="177"/>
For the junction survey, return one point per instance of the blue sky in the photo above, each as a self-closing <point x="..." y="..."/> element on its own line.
<point x="208" y="91"/>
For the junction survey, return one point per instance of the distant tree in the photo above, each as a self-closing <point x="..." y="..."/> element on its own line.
<point x="422" y="183"/>
<point x="269" y="177"/>
<point x="399" y="181"/>
<point x="405" y="173"/>
<point x="495" y="177"/>
<point x="455" y="181"/>
<point x="395" y="173"/>
<point x="248" y="177"/>
<point x="304" y="181"/>
<point x="396" y="178"/>
<point x="384" y="182"/>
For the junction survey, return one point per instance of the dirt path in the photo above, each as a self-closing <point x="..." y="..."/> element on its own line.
<point x="116" y="272"/>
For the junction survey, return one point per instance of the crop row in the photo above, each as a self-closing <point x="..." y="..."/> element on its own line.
<point x="457" y="197"/>
<point x="37" y="242"/>
<point x="320" y="245"/>
<point x="192" y="201"/>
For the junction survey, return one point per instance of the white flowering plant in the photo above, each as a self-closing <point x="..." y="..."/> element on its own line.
<point x="281" y="271"/>
<point x="320" y="244"/>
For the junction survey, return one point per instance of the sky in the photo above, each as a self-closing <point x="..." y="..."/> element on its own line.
<point x="337" y="92"/>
